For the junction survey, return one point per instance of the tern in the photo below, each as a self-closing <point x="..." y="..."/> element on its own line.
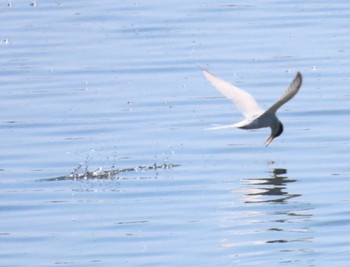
<point x="255" y="116"/>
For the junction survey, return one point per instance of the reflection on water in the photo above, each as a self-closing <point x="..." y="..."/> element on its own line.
<point x="259" y="220"/>
<point x="271" y="189"/>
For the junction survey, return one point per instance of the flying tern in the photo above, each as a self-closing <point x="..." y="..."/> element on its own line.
<point x="255" y="116"/>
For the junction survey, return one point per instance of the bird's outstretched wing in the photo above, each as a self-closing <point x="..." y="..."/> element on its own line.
<point x="244" y="101"/>
<point x="291" y="91"/>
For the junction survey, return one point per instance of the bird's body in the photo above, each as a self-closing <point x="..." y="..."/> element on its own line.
<point x="255" y="116"/>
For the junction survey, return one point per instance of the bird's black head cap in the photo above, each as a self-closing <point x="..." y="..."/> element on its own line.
<point x="280" y="129"/>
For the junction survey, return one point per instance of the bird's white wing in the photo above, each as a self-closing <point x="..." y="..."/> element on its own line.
<point x="244" y="101"/>
<point x="291" y="91"/>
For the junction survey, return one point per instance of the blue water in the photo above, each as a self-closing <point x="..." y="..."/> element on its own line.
<point x="105" y="159"/>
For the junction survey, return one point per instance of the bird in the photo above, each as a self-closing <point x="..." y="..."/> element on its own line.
<point x="254" y="116"/>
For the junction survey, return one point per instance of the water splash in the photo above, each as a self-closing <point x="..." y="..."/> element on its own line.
<point x="81" y="172"/>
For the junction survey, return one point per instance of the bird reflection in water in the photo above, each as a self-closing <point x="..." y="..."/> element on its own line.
<point x="272" y="189"/>
<point x="285" y="223"/>
<point x="268" y="221"/>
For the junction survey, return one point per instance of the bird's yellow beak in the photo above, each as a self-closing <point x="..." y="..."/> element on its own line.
<point x="269" y="140"/>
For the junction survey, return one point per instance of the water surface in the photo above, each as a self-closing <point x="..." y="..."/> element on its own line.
<point x="105" y="160"/>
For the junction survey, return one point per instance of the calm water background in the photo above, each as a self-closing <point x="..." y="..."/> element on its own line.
<point x="99" y="86"/>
